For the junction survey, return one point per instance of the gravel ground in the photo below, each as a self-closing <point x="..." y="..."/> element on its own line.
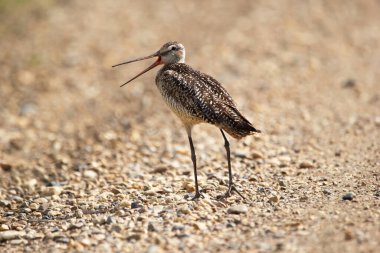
<point x="88" y="166"/>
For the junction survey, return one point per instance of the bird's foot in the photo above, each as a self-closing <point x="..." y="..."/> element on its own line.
<point x="231" y="188"/>
<point x="197" y="196"/>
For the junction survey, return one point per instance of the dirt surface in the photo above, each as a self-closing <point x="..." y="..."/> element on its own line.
<point x="88" y="166"/>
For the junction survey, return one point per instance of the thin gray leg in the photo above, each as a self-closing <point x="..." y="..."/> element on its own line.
<point x="231" y="186"/>
<point x="194" y="159"/>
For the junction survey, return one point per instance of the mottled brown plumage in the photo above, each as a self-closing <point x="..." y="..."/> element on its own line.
<point x="196" y="97"/>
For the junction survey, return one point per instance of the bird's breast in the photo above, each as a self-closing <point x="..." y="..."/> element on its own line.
<point x="176" y="97"/>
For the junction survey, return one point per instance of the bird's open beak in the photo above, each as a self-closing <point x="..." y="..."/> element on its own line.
<point x="156" y="63"/>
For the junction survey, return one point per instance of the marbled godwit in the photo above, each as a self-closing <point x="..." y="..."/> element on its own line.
<point x="196" y="97"/>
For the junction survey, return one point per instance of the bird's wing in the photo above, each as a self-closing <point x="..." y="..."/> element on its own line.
<point x="205" y="97"/>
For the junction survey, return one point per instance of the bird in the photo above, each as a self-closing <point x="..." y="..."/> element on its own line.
<point x="196" y="98"/>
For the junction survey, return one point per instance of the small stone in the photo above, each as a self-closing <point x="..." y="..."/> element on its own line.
<point x="34" y="206"/>
<point x="282" y="183"/>
<point x="79" y="213"/>
<point x="11" y="234"/>
<point x="120" y="213"/>
<point x="62" y="239"/>
<point x="5" y="203"/>
<point x="54" y="213"/>
<point x="256" y="155"/>
<point x="52" y="190"/>
<point x="184" y="210"/>
<point x="180" y="236"/>
<point x="135" y="205"/>
<point x="76" y="225"/>
<point x="349" y="83"/>
<point x="189" y="187"/>
<point x="4" y="227"/>
<point x="160" y="169"/>
<point x="377" y="120"/>
<point x="241" y="154"/>
<point x="348" y="196"/>
<point x="348" y="235"/>
<point x="306" y="165"/>
<point x="115" y="191"/>
<point x="134" y="237"/>
<point x="274" y="199"/>
<point x="238" y="209"/>
<point x="178" y="227"/>
<point x="16" y="242"/>
<point x="90" y="174"/>
<point x="327" y="192"/>
<point x="152" y="227"/>
<point x="86" y="241"/>
<point x="125" y="204"/>
<point x="6" y="167"/>
<point x="110" y="220"/>
<point x="200" y="226"/>
<point x="32" y="234"/>
<point x="41" y="200"/>
<point x="153" y="249"/>
<point x="116" y="228"/>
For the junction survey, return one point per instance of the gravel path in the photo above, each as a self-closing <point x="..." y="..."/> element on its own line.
<point x="86" y="166"/>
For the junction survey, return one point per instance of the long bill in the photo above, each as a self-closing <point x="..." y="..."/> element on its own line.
<point x="156" y="63"/>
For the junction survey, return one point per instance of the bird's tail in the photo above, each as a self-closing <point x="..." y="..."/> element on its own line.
<point x="240" y="126"/>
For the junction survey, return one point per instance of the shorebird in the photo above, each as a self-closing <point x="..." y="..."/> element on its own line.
<point x="195" y="98"/>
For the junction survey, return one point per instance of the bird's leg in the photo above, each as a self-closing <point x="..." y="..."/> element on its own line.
<point x="231" y="186"/>
<point x="193" y="158"/>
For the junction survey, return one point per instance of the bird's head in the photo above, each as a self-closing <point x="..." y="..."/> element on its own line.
<point x="171" y="52"/>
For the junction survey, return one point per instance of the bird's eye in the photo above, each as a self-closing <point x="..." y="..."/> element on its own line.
<point x="173" y="48"/>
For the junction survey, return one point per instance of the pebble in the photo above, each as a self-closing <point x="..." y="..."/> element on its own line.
<point x="11" y="234"/>
<point x="135" y="205"/>
<point x="152" y="227"/>
<point x="90" y="174"/>
<point x="116" y="228"/>
<point x="306" y="165"/>
<point x="54" y="213"/>
<point x="16" y="241"/>
<point x="238" y="209"/>
<point x="79" y="213"/>
<point x="184" y="210"/>
<point x="34" y="206"/>
<point x="32" y="234"/>
<point x="52" y="190"/>
<point x="41" y="200"/>
<point x="274" y="199"/>
<point x="5" y="203"/>
<point x="188" y="186"/>
<point x="110" y="220"/>
<point x="349" y="83"/>
<point x="153" y="249"/>
<point x="160" y="169"/>
<point x="348" y="196"/>
<point x="4" y="227"/>
<point x="256" y="155"/>
<point x="282" y="182"/>
<point x="377" y="120"/>
<point x="62" y="239"/>
<point x="348" y="235"/>
<point x="135" y="237"/>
